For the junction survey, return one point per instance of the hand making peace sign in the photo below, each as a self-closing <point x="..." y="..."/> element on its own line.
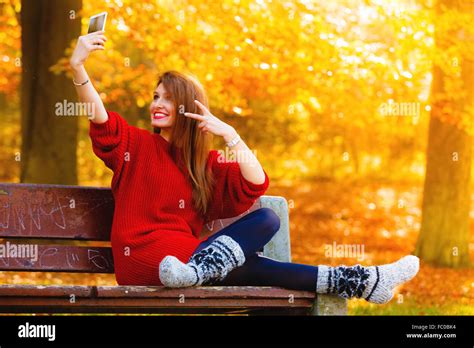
<point x="210" y="123"/>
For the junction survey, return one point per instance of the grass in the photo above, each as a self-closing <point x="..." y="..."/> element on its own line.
<point x="409" y="308"/>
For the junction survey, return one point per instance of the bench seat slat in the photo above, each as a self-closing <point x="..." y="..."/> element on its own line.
<point x="108" y="299"/>
<point x="155" y="292"/>
<point x="52" y="306"/>
<point x="45" y="291"/>
<point x="204" y="292"/>
<point x="154" y="303"/>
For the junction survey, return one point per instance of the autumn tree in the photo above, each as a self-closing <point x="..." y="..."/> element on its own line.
<point x="444" y="235"/>
<point x="48" y="151"/>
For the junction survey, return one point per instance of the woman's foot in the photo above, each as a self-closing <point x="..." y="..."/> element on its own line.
<point x="374" y="283"/>
<point x="176" y="274"/>
<point x="210" y="264"/>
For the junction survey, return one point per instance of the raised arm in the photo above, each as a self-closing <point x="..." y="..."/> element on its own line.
<point x="113" y="140"/>
<point x="233" y="194"/>
<point x="85" y="90"/>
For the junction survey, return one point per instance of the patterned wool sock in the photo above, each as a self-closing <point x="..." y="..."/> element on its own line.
<point x="206" y="266"/>
<point x="375" y="283"/>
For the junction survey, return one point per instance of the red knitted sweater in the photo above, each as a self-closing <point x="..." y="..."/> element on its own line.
<point x="154" y="215"/>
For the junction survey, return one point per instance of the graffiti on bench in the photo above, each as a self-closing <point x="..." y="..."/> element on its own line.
<point x="59" y="212"/>
<point x="63" y="258"/>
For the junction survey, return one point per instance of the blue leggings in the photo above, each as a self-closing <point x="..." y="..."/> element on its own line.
<point x="252" y="232"/>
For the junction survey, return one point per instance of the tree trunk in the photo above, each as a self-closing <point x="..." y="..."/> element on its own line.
<point x="444" y="235"/>
<point x="48" y="151"/>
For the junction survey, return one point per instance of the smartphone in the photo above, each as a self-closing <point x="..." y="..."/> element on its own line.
<point x="97" y="22"/>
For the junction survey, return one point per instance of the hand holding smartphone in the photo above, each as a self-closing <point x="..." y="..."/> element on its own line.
<point x="93" y="41"/>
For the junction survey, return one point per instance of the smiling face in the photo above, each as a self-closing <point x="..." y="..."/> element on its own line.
<point x="162" y="111"/>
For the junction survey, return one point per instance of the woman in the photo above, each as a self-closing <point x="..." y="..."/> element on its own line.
<point x="167" y="184"/>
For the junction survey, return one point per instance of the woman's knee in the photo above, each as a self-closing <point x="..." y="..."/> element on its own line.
<point x="269" y="219"/>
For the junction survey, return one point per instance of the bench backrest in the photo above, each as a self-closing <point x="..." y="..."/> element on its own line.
<point x="67" y="228"/>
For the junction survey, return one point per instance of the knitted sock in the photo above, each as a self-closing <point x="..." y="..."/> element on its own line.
<point x="206" y="266"/>
<point x="375" y="283"/>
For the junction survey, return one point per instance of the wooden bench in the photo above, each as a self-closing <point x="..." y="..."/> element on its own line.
<point x="61" y="222"/>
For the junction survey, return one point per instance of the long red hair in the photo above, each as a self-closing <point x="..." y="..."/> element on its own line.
<point x="189" y="146"/>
